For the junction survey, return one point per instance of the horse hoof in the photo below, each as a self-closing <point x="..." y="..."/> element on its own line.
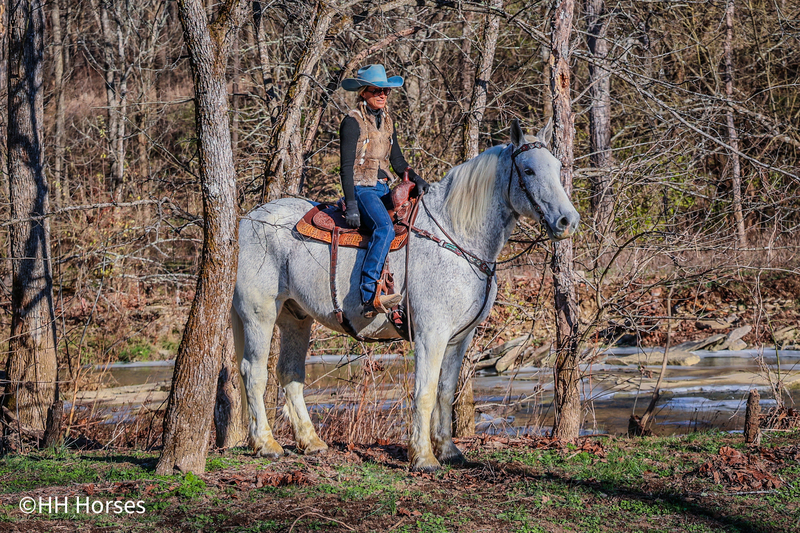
<point x="269" y="450"/>
<point x="456" y="458"/>
<point x="266" y="454"/>
<point x="425" y="466"/>
<point x="315" y="448"/>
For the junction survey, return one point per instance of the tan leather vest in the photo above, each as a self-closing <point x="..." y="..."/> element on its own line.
<point x="373" y="148"/>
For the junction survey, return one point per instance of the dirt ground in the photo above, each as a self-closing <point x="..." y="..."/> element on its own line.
<point x="702" y="482"/>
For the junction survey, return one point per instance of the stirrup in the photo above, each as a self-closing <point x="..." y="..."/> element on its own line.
<point x="381" y="304"/>
<point x="387" y="301"/>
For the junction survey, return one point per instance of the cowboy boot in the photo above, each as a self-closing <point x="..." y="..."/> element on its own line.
<point x="381" y="304"/>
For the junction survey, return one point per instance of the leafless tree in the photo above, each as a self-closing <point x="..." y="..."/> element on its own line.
<point x="597" y="21"/>
<point x="567" y="399"/>
<point x="32" y="366"/>
<point x="187" y="422"/>
<point x="733" y="137"/>
<point x="464" y="406"/>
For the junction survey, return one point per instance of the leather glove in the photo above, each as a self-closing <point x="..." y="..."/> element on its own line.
<point x="422" y="186"/>
<point x="351" y="215"/>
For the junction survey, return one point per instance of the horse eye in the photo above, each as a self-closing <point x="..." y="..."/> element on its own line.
<point x="529" y="172"/>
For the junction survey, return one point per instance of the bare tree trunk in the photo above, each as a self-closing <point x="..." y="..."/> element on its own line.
<point x="110" y="72"/>
<point x="3" y="101"/>
<point x="567" y="374"/>
<point x="464" y="405"/>
<point x="187" y="422"/>
<point x="480" y="88"/>
<point x="119" y="136"/>
<point x="468" y="70"/>
<point x="733" y="138"/>
<point x="600" y="113"/>
<point x="32" y="366"/>
<point x="547" y="95"/>
<point x="267" y="77"/>
<point x="284" y="170"/>
<point x="752" y="417"/>
<point x="60" y="183"/>
<point x="228" y="416"/>
<point x="273" y="387"/>
<point x="235" y="95"/>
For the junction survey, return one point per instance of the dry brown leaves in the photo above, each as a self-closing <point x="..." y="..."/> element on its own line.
<point x="267" y="478"/>
<point x="783" y="418"/>
<point x="739" y="472"/>
<point x="496" y="442"/>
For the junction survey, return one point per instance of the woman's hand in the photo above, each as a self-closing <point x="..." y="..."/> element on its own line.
<point x="351" y="215"/>
<point x="422" y="186"/>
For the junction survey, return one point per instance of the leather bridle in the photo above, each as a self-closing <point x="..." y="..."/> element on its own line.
<point x="524" y="148"/>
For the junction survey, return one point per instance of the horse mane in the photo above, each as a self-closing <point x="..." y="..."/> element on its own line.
<point x="471" y="190"/>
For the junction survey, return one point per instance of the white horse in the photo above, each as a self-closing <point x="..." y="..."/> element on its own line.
<point x="283" y="279"/>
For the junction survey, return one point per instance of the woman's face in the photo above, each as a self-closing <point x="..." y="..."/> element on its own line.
<point x="376" y="96"/>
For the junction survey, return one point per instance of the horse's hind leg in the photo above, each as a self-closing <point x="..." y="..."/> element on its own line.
<point x="253" y="338"/>
<point x="442" y="421"/>
<point x="295" y="329"/>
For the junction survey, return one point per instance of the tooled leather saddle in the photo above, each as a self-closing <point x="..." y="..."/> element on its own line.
<point x="326" y="223"/>
<point x="323" y="221"/>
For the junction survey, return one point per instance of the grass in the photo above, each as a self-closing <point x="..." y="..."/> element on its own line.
<point x="633" y="485"/>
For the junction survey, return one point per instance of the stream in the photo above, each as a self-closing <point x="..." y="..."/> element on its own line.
<point x="710" y="394"/>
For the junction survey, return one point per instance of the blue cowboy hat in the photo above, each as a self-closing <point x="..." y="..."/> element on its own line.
<point x="373" y="76"/>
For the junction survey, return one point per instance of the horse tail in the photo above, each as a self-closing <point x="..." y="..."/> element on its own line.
<point x="238" y="342"/>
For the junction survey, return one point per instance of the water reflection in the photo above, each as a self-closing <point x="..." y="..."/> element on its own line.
<point x="692" y="396"/>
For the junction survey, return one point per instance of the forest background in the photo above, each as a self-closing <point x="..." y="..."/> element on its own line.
<point x="685" y="148"/>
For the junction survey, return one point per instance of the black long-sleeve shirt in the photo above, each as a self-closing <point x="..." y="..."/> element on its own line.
<point x="349" y="132"/>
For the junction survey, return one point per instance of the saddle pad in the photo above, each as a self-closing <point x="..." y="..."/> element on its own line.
<point x="319" y="222"/>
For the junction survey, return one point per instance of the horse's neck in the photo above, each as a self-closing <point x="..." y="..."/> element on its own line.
<point x="496" y="229"/>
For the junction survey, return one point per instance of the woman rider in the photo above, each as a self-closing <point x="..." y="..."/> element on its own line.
<point x="369" y="152"/>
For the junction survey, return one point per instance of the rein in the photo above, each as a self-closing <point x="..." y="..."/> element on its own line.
<point x="487" y="267"/>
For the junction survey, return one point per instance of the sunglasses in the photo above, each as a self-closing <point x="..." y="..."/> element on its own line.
<point x="379" y="90"/>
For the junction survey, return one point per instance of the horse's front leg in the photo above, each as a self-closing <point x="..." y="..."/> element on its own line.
<point x="442" y="431"/>
<point x="429" y="350"/>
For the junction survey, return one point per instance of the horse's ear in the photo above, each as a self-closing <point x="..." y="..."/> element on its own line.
<point x="517" y="135"/>
<point x="546" y="133"/>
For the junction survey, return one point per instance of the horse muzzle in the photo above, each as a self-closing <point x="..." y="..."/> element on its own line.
<point x="563" y="226"/>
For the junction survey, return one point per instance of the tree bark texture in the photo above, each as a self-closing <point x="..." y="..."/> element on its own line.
<point x="267" y="76"/>
<point x="284" y="171"/>
<point x="567" y="374"/>
<point x="733" y="137"/>
<point x="273" y="386"/>
<point x="60" y="183"/>
<point x="229" y="419"/>
<point x="597" y="21"/>
<point x="464" y="404"/>
<point x="112" y="56"/>
<point x="31" y="365"/>
<point x="187" y="423"/>
<point x="4" y="101"/>
<point x="752" y="431"/>
<point x="480" y="87"/>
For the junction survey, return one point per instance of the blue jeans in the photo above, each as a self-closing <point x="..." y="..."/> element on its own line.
<point x="372" y="202"/>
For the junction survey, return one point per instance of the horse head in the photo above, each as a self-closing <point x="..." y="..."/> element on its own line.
<point x="534" y="187"/>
